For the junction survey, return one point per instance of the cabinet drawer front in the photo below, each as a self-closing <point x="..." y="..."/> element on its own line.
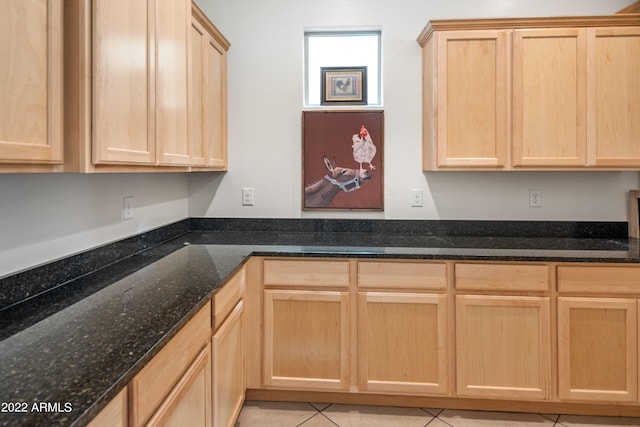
<point x="226" y="298"/>
<point x="306" y="273"/>
<point x="150" y="387"/>
<point x="586" y="279"/>
<point x="402" y="275"/>
<point x="502" y="277"/>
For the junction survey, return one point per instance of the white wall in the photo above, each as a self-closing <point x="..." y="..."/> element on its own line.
<point x="266" y="100"/>
<point x="47" y="216"/>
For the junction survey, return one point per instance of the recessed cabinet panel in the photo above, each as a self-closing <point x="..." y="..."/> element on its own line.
<point x="614" y="95"/>
<point x="471" y="92"/>
<point x="306" y="342"/>
<point x="403" y="343"/>
<point x="158" y="378"/>
<point x="228" y="369"/>
<point x="503" y="347"/>
<point x="306" y="273"/>
<point x="121" y="74"/>
<point x="597" y="349"/>
<point x="502" y="277"/>
<point x="189" y="403"/>
<point x="215" y="101"/>
<point x="549" y="97"/>
<point x="589" y="279"/>
<point x="208" y="90"/>
<point x="413" y="275"/>
<point x="31" y="98"/>
<point x="172" y="41"/>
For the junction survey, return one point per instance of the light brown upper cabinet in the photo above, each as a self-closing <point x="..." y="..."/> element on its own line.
<point x="549" y="86"/>
<point x="531" y="93"/>
<point x="613" y="96"/>
<point x="208" y="94"/>
<point x="31" y="91"/>
<point x="466" y="92"/>
<point x="129" y="88"/>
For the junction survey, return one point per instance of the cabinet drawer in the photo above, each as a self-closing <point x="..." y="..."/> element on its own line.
<point x="306" y="273"/>
<point x="412" y="275"/>
<point x="502" y="277"/>
<point x="226" y="298"/>
<point x="599" y="279"/>
<point x="152" y="385"/>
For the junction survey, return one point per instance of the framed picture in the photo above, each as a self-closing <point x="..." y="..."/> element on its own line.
<point x="342" y="160"/>
<point x="342" y="85"/>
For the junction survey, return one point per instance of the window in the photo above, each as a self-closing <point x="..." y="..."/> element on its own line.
<point x="342" y="49"/>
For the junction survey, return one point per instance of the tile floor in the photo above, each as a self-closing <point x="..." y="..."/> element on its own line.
<point x="289" y="414"/>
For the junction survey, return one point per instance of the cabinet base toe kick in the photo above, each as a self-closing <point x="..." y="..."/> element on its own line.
<point x="546" y="407"/>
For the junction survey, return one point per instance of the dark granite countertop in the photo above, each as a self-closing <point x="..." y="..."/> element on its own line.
<point x="78" y="345"/>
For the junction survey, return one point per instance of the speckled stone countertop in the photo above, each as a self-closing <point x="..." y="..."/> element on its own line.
<point x="76" y="346"/>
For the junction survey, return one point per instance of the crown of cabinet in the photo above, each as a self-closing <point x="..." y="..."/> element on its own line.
<point x="622" y="20"/>
<point x="531" y="93"/>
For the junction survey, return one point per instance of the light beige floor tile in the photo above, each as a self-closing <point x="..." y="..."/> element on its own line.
<point x="318" y="420"/>
<point x="274" y="414"/>
<point x="437" y="422"/>
<point x="584" y="421"/>
<point x="458" y="418"/>
<point x="374" y="416"/>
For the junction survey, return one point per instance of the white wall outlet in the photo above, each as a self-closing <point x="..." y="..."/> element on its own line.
<point x="127" y="208"/>
<point x="416" y="197"/>
<point x="247" y="196"/>
<point x="535" y="198"/>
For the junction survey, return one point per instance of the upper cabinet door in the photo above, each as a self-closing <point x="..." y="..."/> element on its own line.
<point x="549" y="97"/>
<point x="31" y="102"/>
<point x="121" y="82"/>
<point x="613" y="101"/>
<point x="215" y="103"/>
<point x="172" y="41"/>
<point x="471" y="96"/>
<point x="208" y="94"/>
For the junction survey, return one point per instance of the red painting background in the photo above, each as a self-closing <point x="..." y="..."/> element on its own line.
<point x="329" y="133"/>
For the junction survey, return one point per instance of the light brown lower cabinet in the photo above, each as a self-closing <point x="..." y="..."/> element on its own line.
<point x="598" y="332"/>
<point x="177" y="381"/>
<point x="503" y="347"/>
<point x="481" y="332"/>
<point x="228" y="368"/>
<point x="597" y="349"/>
<point x="188" y="404"/>
<point x="403" y="343"/>
<point x="306" y="339"/>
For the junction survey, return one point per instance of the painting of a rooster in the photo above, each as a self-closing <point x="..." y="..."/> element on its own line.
<point x="364" y="149"/>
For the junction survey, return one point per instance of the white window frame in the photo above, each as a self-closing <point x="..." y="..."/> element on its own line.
<point x="375" y="82"/>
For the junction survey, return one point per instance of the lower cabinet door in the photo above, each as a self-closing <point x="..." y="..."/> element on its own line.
<point x="403" y="343"/>
<point x="228" y="368"/>
<point x="189" y="403"/>
<point x="597" y="349"/>
<point x="306" y="342"/>
<point x="503" y="347"/>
